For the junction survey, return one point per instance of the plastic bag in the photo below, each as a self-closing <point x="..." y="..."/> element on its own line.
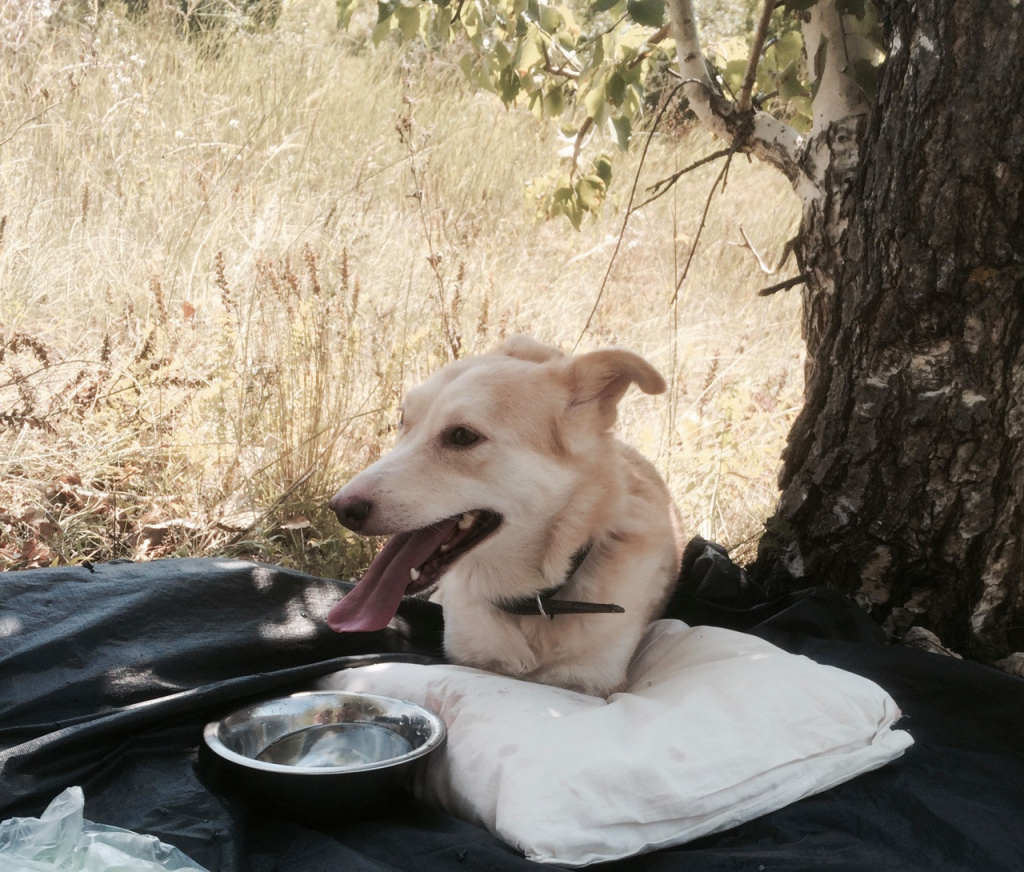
<point x="63" y="841"/>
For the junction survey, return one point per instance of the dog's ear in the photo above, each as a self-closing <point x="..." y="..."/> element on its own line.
<point x="525" y="347"/>
<point x="602" y="377"/>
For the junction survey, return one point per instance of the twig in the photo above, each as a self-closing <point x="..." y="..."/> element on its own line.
<point x="548" y="41"/>
<point x="759" y="133"/>
<point x="703" y="219"/>
<point x="767" y="270"/>
<point x="745" y="98"/>
<point x="656" y="38"/>
<point x="784" y="286"/>
<point x="560" y="71"/>
<point x="578" y="146"/>
<point x="629" y="212"/>
<point x="787" y="250"/>
<point x="662" y="187"/>
<point x="602" y="33"/>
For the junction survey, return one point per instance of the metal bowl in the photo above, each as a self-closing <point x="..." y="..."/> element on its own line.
<point x="320" y="757"/>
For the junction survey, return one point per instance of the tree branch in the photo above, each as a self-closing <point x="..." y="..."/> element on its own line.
<point x="706" y="101"/>
<point x="560" y="71"/>
<point x="659" y="36"/>
<point x="753" y="132"/>
<point x="720" y="180"/>
<point x="630" y="209"/>
<point x="744" y="100"/>
<point x="663" y="186"/>
<point x="831" y="54"/>
<point x="767" y="270"/>
<point x="578" y="144"/>
<point x="784" y="285"/>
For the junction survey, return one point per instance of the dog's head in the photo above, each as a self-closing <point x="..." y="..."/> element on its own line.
<point x="489" y="450"/>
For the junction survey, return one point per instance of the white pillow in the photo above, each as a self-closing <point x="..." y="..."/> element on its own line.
<point x="715" y="728"/>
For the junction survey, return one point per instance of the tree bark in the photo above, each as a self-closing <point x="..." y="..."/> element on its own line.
<point x="903" y="479"/>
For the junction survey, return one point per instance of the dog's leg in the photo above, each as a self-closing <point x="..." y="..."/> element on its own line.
<point x="478" y="636"/>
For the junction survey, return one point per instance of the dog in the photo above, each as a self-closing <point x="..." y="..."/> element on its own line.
<point x="553" y="544"/>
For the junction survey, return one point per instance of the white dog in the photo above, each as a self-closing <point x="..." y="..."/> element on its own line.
<point x="555" y="543"/>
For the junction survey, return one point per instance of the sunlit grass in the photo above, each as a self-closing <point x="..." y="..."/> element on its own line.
<point x="220" y="266"/>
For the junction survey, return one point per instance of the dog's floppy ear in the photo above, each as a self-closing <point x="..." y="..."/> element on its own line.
<point x="525" y="347"/>
<point x="602" y="377"/>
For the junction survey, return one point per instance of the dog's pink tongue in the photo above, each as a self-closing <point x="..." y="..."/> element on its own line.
<point x="373" y="602"/>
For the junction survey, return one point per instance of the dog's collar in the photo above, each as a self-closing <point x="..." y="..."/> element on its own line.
<point x="543" y="602"/>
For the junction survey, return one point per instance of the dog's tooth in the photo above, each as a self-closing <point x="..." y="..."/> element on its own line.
<point x="445" y="547"/>
<point x="414" y="574"/>
<point x="466" y="521"/>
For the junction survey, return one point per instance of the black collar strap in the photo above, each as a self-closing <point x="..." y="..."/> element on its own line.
<point x="543" y="602"/>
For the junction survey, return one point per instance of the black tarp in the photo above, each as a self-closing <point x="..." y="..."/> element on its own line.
<point x="108" y="674"/>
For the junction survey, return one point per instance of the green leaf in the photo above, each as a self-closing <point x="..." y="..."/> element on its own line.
<point x="603" y="168"/>
<point x="440" y="24"/>
<point x="554" y="102"/>
<point x="596" y="103"/>
<point x="562" y="194"/>
<point x="549" y="19"/>
<point x="603" y="5"/>
<point x="530" y="54"/>
<point x="802" y="117"/>
<point x="615" y="88"/>
<point x="380" y="31"/>
<point x="856" y="8"/>
<point x="573" y="210"/>
<point x="536" y="102"/>
<point x="649" y="13"/>
<point x="733" y="75"/>
<point x="408" y="18"/>
<point x="476" y="72"/>
<point x="385" y="9"/>
<point x="789" y="83"/>
<point x="633" y="105"/>
<point x="471" y="23"/>
<point x="787" y="49"/>
<point x="623" y="131"/>
<point x="345" y="9"/>
<point x="508" y="85"/>
<point x="803" y="114"/>
<point x="502" y="55"/>
<point x="591" y="190"/>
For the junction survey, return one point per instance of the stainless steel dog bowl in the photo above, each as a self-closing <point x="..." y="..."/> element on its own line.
<point x="319" y="757"/>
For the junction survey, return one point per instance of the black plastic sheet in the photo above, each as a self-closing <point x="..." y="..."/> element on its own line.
<point x="107" y="676"/>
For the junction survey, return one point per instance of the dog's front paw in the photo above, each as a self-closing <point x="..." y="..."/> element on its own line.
<point x="492" y="647"/>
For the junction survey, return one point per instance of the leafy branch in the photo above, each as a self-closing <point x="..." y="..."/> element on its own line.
<point x="591" y="68"/>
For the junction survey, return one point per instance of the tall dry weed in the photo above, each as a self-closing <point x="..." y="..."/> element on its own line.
<point x="220" y="269"/>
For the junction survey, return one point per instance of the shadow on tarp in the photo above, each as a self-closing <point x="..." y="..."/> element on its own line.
<point x="108" y="675"/>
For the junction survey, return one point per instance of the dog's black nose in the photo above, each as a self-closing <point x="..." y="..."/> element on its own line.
<point x="352" y="512"/>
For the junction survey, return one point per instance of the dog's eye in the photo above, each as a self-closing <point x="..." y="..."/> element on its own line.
<point x="461" y="436"/>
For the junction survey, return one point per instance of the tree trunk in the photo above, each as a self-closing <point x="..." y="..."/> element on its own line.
<point x="903" y="479"/>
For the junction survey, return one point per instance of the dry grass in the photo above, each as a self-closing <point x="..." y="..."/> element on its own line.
<point x="220" y="267"/>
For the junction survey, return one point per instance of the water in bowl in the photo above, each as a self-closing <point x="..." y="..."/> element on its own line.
<point x="323" y="745"/>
